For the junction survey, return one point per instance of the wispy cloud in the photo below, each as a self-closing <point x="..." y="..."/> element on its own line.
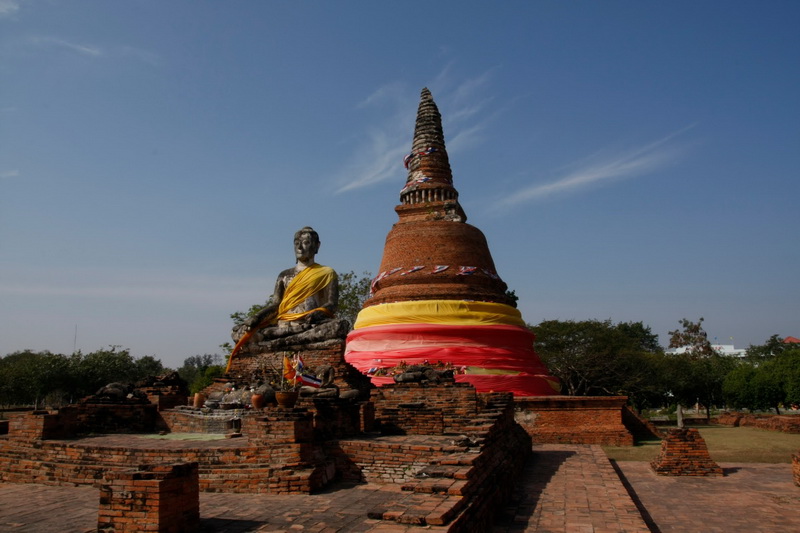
<point x="82" y="49"/>
<point x="391" y="93"/>
<point x="381" y="149"/>
<point x="9" y="174"/>
<point x="376" y="163"/>
<point x="110" y="52"/>
<point x="8" y="8"/>
<point x="634" y="162"/>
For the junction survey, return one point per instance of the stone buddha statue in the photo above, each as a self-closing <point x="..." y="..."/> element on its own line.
<point x="305" y="296"/>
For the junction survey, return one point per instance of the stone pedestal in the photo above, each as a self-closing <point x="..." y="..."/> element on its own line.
<point x="314" y="355"/>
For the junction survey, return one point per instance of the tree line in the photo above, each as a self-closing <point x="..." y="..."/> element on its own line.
<point x="590" y="357"/>
<point x="593" y="357"/>
<point x="29" y="378"/>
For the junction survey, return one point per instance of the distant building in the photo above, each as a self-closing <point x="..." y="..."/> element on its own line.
<point x="791" y="340"/>
<point x="722" y="349"/>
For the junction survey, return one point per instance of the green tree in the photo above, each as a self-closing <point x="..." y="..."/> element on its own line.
<point x="31" y="378"/>
<point x="147" y="366"/>
<point x="692" y="338"/>
<point x="199" y="371"/>
<point x="768" y="378"/>
<point x="39" y="378"/>
<point x="593" y="357"/>
<point x="96" y="369"/>
<point x="773" y="347"/>
<point x="353" y="292"/>
<point x="737" y="386"/>
<point x="790" y="369"/>
<point x="697" y="371"/>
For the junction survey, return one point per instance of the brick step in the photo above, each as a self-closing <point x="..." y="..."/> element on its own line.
<point x="461" y="459"/>
<point x="421" y="510"/>
<point x="450" y="487"/>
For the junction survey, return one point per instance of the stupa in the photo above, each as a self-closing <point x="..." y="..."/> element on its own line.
<point x="438" y="297"/>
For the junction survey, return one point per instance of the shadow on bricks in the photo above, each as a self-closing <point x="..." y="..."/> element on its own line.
<point x="540" y="468"/>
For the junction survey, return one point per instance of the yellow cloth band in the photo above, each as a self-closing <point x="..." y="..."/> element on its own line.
<point x="456" y="312"/>
<point x="305" y="284"/>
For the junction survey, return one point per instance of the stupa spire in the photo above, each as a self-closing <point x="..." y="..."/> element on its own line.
<point x="437" y="296"/>
<point x="430" y="178"/>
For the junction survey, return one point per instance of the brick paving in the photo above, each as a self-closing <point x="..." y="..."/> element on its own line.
<point x="566" y="488"/>
<point x="570" y="488"/>
<point x="749" y="497"/>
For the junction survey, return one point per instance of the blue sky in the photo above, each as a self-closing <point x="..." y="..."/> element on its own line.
<point x="632" y="161"/>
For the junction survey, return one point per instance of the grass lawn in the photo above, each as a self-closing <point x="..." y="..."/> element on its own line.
<point x="725" y="444"/>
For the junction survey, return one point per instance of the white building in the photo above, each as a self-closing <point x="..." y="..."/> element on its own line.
<point x="722" y="349"/>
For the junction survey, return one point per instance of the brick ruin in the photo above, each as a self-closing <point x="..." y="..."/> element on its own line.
<point x="442" y="443"/>
<point x="160" y="498"/>
<point x="684" y="453"/>
<point x="782" y="423"/>
<point x="796" y="468"/>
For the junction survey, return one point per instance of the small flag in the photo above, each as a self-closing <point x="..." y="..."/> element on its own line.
<point x="413" y="269"/>
<point x="466" y="271"/>
<point x="307" y="379"/>
<point x="288" y="370"/>
<point x="298" y="364"/>
<point x="407" y="159"/>
<point x="490" y="273"/>
<point x="375" y="281"/>
<point x="439" y="268"/>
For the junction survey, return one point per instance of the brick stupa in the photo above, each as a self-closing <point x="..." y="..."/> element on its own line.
<point x="438" y="297"/>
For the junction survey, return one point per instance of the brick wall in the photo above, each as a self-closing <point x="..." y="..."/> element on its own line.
<point x="796" y="468"/>
<point x="281" y="459"/>
<point x="102" y="417"/>
<point x="782" y="423"/>
<point x="574" y="419"/>
<point x="165" y="397"/>
<point x="36" y="425"/>
<point x="162" y="498"/>
<point x="219" y="421"/>
<point x="684" y="453"/>
<point x="421" y="409"/>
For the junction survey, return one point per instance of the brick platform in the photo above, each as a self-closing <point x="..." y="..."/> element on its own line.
<point x="453" y="453"/>
<point x="574" y="419"/>
<point x="750" y="497"/>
